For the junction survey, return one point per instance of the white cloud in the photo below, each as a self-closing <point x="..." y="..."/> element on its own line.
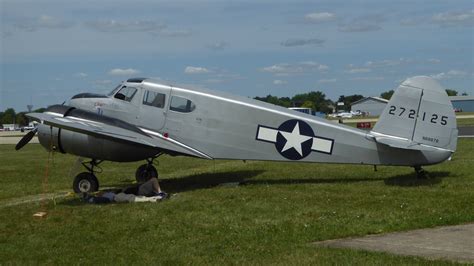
<point x="301" y="42"/>
<point x="389" y="62"/>
<point x="365" y="23"/>
<point x="175" y="33"/>
<point x="214" y="81"/>
<point x="80" y="75"/>
<point x="147" y="26"/>
<point x="319" y="17"/>
<point x="196" y="70"/>
<point x="411" y="21"/>
<point x="127" y="26"/>
<point x="434" y="61"/>
<point x="368" y="78"/>
<point x="123" y="72"/>
<point x="286" y="69"/>
<point x="461" y="18"/>
<point x="280" y="82"/>
<point x="359" y="27"/>
<point x="43" y="22"/>
<point x="102" y="82"/>
<point x="327" y="80"/>
<point x="358" y="70"/>
<point x="217" y="45"/>
<point x="450" y="74"/>
<point x="323" y="68"/>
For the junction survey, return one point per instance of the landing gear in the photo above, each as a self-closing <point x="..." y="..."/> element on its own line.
<point x="86" y="182"/>
<point x="420" y="172"/>
<point x="146" y="171"/>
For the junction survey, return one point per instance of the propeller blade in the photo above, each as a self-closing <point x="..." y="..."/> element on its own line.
<point x="23" y="141"/>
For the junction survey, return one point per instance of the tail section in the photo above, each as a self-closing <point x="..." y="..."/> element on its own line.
<point x="419" y="116"/>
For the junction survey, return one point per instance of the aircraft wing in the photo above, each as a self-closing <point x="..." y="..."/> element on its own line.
<point x="116" y="132"/>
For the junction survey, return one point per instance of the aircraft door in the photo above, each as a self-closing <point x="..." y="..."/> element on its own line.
<point x="153" y="107"/>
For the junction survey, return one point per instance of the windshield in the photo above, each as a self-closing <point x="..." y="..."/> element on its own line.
<point x="114" y="90"/>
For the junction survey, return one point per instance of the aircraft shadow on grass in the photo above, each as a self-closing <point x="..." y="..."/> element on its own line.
<point x="245" y="177"/>
<point x="409" y="180"/>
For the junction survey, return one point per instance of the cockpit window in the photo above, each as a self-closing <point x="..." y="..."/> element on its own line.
<point x="114" y="90"/>
<point x="155" y="99"/>
<point x="182" y="105"/>
<point x="126" y="93"/>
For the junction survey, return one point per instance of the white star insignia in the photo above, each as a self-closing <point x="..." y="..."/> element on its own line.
<point x="294" y="139"/>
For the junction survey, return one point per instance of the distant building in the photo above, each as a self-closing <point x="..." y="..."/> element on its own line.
<point x="463" y="103"/>
<point x="10" y="127"/>
<point x="372" y="106"/>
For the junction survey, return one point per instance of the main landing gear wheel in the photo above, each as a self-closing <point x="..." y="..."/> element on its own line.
<point x="421" y="173"/>
<point x="145" y="172"/>
<point x="85" y="183"/>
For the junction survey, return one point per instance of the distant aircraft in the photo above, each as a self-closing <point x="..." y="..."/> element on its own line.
<point x="142" y="119"/>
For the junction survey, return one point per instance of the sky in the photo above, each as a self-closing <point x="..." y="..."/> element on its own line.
<point x="52" y="50"/>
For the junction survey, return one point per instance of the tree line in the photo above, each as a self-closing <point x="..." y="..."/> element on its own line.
<point x="9" y="116"/>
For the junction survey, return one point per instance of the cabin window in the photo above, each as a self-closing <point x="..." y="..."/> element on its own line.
<point x="126" y="93"/>
<point x="180" y="104"/>
<point x="155" y="99"/>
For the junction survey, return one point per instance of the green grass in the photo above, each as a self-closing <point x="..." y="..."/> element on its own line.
<point x="465" y="122"/>
<point x="272" y="218"/>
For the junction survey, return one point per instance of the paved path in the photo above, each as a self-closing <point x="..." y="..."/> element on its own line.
<point x="449" y="242"/>
<point x="466" y="131"/>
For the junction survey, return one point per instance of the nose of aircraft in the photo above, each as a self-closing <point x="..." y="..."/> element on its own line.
<point x="87" y="101"/>
<point x="88" y="95"/>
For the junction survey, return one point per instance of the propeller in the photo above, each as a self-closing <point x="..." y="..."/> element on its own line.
<point x="26" y="138"/>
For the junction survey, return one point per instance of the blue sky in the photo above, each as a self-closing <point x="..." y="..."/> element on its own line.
<point x="51" y="50"/>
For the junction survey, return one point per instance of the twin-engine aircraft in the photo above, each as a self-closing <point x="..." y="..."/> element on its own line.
<point x="142" y="119"/>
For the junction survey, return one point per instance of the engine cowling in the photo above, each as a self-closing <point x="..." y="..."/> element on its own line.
<point x="95" y="147"/>
<point x="66" y="141"/>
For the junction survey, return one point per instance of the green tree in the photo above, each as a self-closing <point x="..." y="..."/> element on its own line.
<point x="21" y="119"/>
<point x="387" y="95"/>
<point x="464" y="94"/>
<point x="39" y="110"/>
<point x="451" y="92"/>
<point x="284" y="101"/>
<point x="8" y="116"/>
<point x="317" y="98"/>
<point x="308" y="104"/>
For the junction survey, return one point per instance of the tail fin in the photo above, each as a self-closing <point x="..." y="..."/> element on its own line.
<point x="419" y="115"/>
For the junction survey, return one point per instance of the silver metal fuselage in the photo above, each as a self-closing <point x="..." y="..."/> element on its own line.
<point x="224" y="126"/>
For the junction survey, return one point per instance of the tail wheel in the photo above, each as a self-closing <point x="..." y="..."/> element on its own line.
<point x="145" y="172"/>
<point x="85" y="183"/>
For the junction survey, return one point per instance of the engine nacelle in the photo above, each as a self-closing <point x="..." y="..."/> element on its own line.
<point x="66" y="141"/>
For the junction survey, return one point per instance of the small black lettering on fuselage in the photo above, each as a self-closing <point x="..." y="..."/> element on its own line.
<point x="430" y="139"/>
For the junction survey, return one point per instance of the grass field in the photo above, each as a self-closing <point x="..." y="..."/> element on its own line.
<point x="272" y="218"/>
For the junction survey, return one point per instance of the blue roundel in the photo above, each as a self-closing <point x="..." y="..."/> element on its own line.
<point x="294" y="139"/>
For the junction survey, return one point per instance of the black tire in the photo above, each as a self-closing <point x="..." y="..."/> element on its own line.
<point x="85" y="183"/>
<point x="421" y="174"/>
<point x="145" y="172"/>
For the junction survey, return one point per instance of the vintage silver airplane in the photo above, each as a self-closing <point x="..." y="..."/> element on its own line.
<point x="142" y="119"/>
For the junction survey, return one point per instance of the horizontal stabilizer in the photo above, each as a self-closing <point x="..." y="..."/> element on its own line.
<point x="406" y="144"/>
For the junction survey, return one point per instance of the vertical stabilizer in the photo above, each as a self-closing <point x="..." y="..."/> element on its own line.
<point x="420" y="112"/>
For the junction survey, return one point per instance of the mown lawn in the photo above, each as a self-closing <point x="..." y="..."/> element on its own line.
<point x="271" y="218"/>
